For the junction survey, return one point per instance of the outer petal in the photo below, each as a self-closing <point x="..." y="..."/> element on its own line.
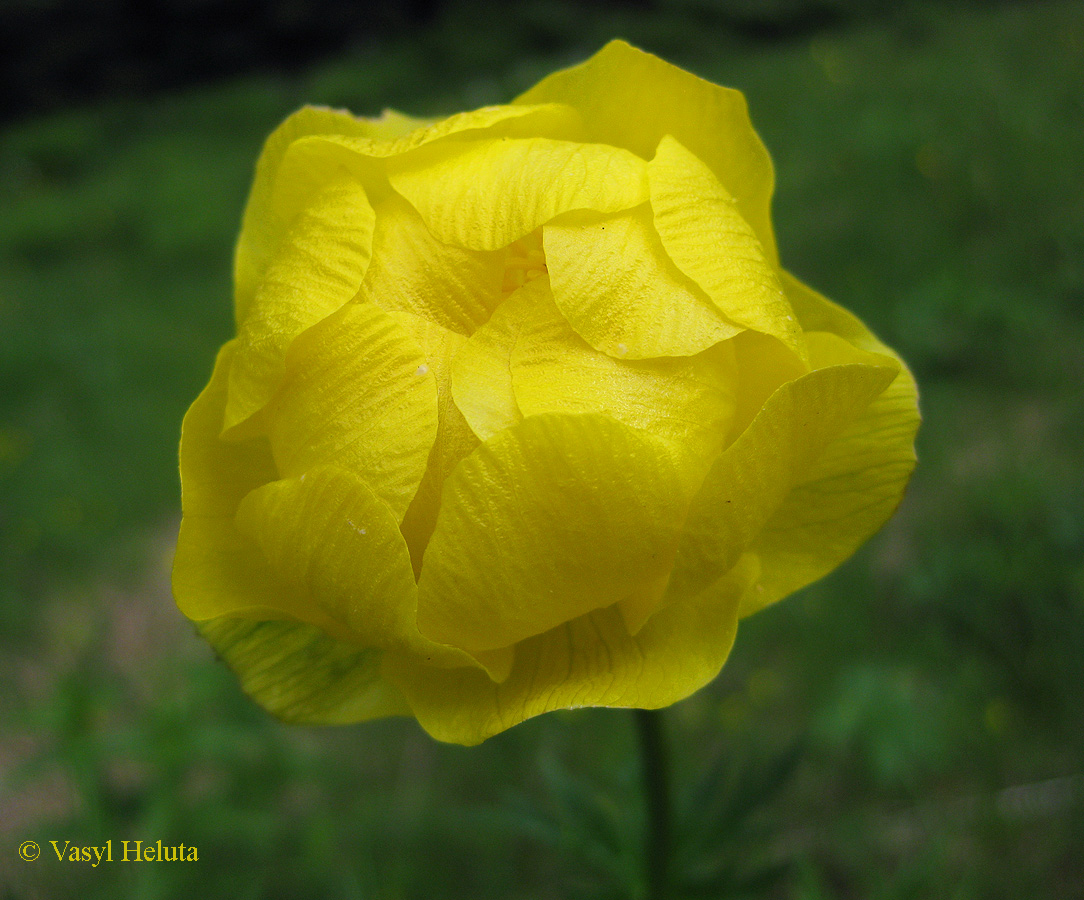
<point x="216" y="474"/>
<point x="484" y="195"/>
<point x="705" y="235"/>
<point x="412" y="271"/>
<point x="751" y="480"/>
<point x="632" y="99"/>
<point x="316" y="269"/>
<point x="590" y="661"/>
<point x="764" y="365"/>
<point x="215" y="568"/>
<point x="688" y="400"/>
<point x="358" y="394"/>
<point x="553" y="120"/>
<point x="856" y="483"/>
<point x="315" y="145"/>
<point x="263" y="229"/>
<point x="310" y="160"/>
<point x="336" y="549"/>
<point x="548" y="520"/>
<point x="616" y="285"/>
<point x="301" y="675"/>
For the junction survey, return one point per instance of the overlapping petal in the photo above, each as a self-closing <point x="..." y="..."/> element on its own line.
<point x="414" y="272"/>
<point x="483" y="195"/>
<point x="301" y="675"/>
<point x="335" y="547"/>
<point x="549" y="519"/>
<point x="317" y="268"/>
<point x="688" y="400"/>
<point x="616" y="285"/>
<point x="633" y="99"/>
<point x="753" y="477"/>
<point x="215" y="569"/>
<point x="592" y="660"/>
<point x="308" y="162"/>
<point x="454" y="441"/>
<point x="357" y="394"/>
<point x="705" y="235"/>
<point x="481" y="370"/>
<point x="856" y="483"/>
<point x="263" y="227"/>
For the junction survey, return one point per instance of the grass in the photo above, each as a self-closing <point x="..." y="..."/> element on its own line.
<point x="928" y="178"/>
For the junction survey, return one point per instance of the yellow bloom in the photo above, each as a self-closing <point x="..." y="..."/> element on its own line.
<point x="522" y="413"/>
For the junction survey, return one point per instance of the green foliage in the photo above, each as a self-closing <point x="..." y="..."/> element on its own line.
<point x="929" y="178"/>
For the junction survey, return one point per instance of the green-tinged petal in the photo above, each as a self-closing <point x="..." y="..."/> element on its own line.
<point x="454" y="442"/>
<point x="263" y="229"/>
<point x="317" y="268"/>
<point x="687" y="399"/>
<point x="549" y="519"/>
<point x="301" y="675"/>
<point x="484" y="195"/>
<point x="855" y="484"/>
<point x="590" y="661"/>
<point x="705" y="235"/>
<point x="412" y="271"/>
<point x="633" y="99"/>
<point x="358" y="394"/>
<point x="616" y="285"/>
<point x="336" y="550"/>
<point x="751" y="480"/>
<point x="481" y="373"/>
<point x="216" y="474"/>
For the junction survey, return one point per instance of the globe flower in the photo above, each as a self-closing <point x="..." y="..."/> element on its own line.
<point x="522" y="412"/>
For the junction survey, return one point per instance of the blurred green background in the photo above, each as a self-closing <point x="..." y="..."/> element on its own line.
<point x="911" y="727"/>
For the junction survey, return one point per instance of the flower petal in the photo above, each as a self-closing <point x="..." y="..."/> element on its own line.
<point x="632" y="99"/>
<point x="855" y="484"/>
<point x="484" y="195"/>
<point x="310" y="160"/>
<point x="316" y="269"/>
<point x="358" y="394"/>
<point x="753" y="477"/>
<point x="412" y="271"/>
<point x="481" y="373"/>
<point x="217" y="570"/>
<point x="335" y="547"/>
<point x="552" y="120"/>
<point x="216" y="474"/>
<point x="263" y="229"/>
<point x="303" y="676"/>
<point x="688" y="400"/>
<point x="590" y="661"/>
<point x="454" y="442"/>
<point x="549" y="519"/>
<point x="616" y="285"/>
<point x="705" y="235"/>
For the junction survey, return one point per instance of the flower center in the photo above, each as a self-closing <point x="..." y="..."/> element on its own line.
<point x="526" y="260"/>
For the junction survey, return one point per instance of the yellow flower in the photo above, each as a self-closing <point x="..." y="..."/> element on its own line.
<point x="522" y="413"/>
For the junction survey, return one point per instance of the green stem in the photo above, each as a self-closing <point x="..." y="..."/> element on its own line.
<point x="656" y="773"/>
